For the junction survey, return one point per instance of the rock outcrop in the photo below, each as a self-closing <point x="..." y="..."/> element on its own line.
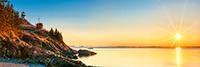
<point x="36" y="46"/>
<point x="82" y="53"/>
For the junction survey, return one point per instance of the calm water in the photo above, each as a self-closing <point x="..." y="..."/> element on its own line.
<point x="143" y="57"/>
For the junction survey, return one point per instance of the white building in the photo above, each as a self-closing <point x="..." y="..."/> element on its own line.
<point x="23" y="15"/>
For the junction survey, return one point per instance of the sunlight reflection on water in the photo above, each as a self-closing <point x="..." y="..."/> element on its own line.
<point x="144" y="57"/>
<point x="178" y="56"/>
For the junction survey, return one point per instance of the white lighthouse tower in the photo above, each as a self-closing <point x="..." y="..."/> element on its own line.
<point x="23" y="15"/>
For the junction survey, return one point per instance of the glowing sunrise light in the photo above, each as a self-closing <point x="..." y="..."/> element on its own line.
<point x="178" y="49"/>
<point x="178" y="56"/>
<point x="178" y="36"/>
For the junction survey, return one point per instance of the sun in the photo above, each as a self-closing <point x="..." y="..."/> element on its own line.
<point x="178" y="36"/>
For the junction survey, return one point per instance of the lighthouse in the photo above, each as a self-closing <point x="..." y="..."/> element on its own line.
<point x="23" y="15"/>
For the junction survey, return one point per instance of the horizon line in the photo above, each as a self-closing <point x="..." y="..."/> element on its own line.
<point x="141" y="46"/>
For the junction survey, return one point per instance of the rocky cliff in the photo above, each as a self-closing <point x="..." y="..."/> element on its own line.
<point x="37" y="46"/>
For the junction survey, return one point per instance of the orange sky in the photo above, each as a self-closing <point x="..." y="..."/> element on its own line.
<point x="118" y="22"/>
<point x="151" y="27"/>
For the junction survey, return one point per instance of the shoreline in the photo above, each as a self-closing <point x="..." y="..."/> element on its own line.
<point x="16" y="63"/>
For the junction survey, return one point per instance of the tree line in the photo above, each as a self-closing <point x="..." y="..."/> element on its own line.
<point x="56" y="34"/>
<point x="10" y="21"/>
<point x="9" y="18"/>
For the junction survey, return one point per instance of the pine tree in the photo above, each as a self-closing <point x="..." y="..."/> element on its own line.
<point x="9" y="18"/>
<point x="56" y="32"/>
<point x="51" y="31"/>
<point x="60" y="38"/>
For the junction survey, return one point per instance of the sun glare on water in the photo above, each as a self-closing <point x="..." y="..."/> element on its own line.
<point x="178" y="36"/>
<point x="178" y="56"/>
<point x="178" y="49"/>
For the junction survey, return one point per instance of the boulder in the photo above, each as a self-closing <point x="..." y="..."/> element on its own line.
<point x="82" y="53"/>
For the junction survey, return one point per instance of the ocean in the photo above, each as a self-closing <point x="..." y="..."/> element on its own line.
<point x="143" y="57"/>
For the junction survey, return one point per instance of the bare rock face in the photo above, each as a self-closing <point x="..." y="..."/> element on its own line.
<point x="12" y="46"/>
<point x="33" y="49"/>
<point x="47" y="43"/>
<point x="30" y="39"/>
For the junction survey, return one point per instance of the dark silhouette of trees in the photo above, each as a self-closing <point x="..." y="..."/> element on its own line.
<point x="51" y="31"/>
<point x="56" y="34"/>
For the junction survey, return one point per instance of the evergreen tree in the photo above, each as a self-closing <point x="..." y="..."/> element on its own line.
<point x="60" y="38"/>
<point x="56" y="34"/>
<point x="9" y="18"/>
<point x="51" y="31"/>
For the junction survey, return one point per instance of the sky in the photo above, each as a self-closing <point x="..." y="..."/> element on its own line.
<point x="102" y="23"/>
